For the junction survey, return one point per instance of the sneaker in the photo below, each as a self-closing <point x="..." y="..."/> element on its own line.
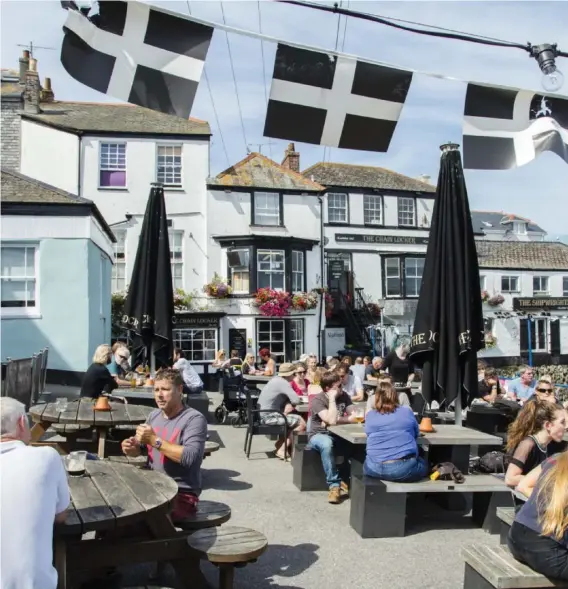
<point x="334" y="495"/>
<point x="344" y="488"/>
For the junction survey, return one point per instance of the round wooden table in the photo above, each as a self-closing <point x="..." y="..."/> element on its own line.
<point x="111" y="498"/>
<point x="82" y="413"/>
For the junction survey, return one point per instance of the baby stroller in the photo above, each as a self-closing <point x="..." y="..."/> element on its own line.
<point x="234" y="397"/>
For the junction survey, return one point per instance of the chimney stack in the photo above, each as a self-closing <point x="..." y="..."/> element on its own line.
<point x="32" y="89"/>
<point x="47" y="94"/>
<point x="291" y="159"/>
<point x="24" y="64"/>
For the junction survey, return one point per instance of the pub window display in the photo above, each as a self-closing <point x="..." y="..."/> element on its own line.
<point x="198" y="345"/>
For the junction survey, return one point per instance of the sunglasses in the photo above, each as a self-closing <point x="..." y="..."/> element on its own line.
<point x="123" y="358"/>
<point x="300" y="372"/>
<point x="547" y="391"/>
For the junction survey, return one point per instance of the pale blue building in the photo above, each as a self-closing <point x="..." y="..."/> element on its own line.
<point x="56" y="263"/>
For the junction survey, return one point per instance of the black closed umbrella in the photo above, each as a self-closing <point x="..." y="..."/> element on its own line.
<point x="149" y="305"/>
<point x="448" y="328"/>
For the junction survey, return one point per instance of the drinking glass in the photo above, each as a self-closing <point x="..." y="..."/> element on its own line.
<point x="133" y="383"/>
<point x="359" y="415"/>
<point x="75" y="462"/>
<point x="61" y="404"/>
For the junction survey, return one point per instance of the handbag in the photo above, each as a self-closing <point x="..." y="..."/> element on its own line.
<point x="494" y="462"/>
<point x="448" y="471"/>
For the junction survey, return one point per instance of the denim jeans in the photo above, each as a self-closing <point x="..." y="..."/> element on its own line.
<point x="401" y="471"/>
<point x="323" y="443"/>
<point x="542" y="554"/>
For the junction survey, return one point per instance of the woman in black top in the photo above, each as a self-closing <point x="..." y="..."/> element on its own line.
<point x="538" y="424"/>
<point x="399" y="366"/>
<point x="98" y="379"/>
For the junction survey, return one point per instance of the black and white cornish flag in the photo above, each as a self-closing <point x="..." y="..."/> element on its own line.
<point x="137" y="53"/>
<point x="505" y="128"/>
<point x="334" y="100"/>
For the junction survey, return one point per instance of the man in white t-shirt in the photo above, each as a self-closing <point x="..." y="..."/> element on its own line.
<point x="33" y="496"/>
<point x="351" y="384"/>
<point x="191" y="380"/>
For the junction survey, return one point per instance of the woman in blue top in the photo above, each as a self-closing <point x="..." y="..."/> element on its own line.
<point x="392" y="451"/>
<point x="539" y="534"/>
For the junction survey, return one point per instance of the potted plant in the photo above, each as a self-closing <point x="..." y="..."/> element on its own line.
<point x="217" y="288"/>
<point x="273" y="303"/>
<point x="496" y="300"/>
<point x="304" y="301"/>
<point x="182" y="300"/>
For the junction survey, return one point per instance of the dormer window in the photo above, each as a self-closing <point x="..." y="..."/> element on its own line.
<point x="519" y="228"/>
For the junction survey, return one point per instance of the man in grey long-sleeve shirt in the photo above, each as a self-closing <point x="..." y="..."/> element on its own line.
<point x="175" y="438"/>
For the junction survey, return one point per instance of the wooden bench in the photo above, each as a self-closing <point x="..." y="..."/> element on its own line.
<point x="228" y="547"/>
<point x="493" y="567"/>
<point x="505" y="515"/>
<point x="378" y="508"/>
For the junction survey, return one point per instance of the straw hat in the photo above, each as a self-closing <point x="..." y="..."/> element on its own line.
<point x="286" y="369"/>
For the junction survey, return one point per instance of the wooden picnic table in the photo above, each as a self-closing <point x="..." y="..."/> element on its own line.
<point x="82" y="413"/>
<point x="109" y="499"/>
<point x="447" y="443"/>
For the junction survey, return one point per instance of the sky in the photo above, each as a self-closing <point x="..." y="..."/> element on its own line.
<point x="433" y="111"/>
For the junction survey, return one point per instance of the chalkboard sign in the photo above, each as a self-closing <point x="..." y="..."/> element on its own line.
<point x="238" y="341"/>
<point x="336" y="269"/>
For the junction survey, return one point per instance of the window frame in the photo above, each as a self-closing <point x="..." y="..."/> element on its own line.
<point x="540" y="321"/>
<point x="118" y="143"/>
<point x="565" y="286"/>
<point x="402" y="261"/>
<point x="286" y="356"/>
<point x="300" y="274"/>
<point x="115" y="265"/>
<point x="377" y="198"/>
<point x="398" y="211"/>
<point x="260" y="251"/>
<point x="171" y="234"/>
<point x="188" y="353"/>
<point x="253" y="220"/>
<point x="540" y="279"/>
<point x="482" y="282"/>
<point x="25" y="311"/>
<point x="169" y="186"/>
<point x="232" y="269"/>
<point x="509" y="277"/>
<point x="334" y="194"/>
<point x="405" y="277"/>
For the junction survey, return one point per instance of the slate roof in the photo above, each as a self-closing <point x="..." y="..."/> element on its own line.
<point x="499" y="221"/>
<point x="259" y="171"/>
<point x="93" y="117"/>
<point x="10" y="86"/>
<point x="521" y="255"/>
<point x="18" y="189"/>
<point x="352" y="175"/>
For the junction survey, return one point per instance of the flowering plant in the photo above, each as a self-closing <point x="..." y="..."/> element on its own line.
<point x="490" y="340"/>
<point x="273" y="303"/>
<point x="374" y="309"/>
<point x="303" y="301"/>
<point x="496" y="300"/>
<point x="484" y="296"/>
<point x="217" y="288"/>
<point x="182" y="300"/>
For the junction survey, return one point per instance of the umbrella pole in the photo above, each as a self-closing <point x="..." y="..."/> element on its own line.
<point x="152" y="360"/>
<point x="458" y="409"/>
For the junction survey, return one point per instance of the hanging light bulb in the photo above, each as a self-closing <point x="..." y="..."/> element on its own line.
<point x="552" y="78"/>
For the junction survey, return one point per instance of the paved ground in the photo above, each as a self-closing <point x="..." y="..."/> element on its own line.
<point x="311" y="545"/>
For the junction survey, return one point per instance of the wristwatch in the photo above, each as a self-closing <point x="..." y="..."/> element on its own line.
<point x="157" y="444"/>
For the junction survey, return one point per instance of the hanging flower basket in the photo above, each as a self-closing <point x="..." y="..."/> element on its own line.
<point x="273" y="303"/>
<point x="484" y="296"/>
<point x="374" y="309"/>
<point x="217" y="288"/>
<point x="496" y="300"/>
<point x="490" y="341"/>
<point x="182" y="300"/>
<point x="304" y="301"/>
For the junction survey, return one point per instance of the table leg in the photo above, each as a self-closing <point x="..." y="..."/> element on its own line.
<point x="101" y="431"/>
<point x="226" y="576"/>
<point x="188" y="569"/>
<point x="60" y="562"/>
<point x="38" y="430"/>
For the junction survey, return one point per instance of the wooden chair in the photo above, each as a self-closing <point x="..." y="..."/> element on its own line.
<point x="36" y="377"/>
<point x="43" y="369"/>
<point x="255" y="427"/>
<point x="19" y="381"/>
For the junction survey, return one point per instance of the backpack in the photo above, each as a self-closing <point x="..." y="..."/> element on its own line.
<point x="494" y="462"/>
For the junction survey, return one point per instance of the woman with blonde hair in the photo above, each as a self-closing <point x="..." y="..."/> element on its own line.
<point x="539" y="534"/>
<point x="98" y="379"/>
<point x="392" y="431"/>
<point x="249" y="365"/>
<point x="220" y="360"/>
<point x="537" y="425"/>
<point x="312" y="367"/>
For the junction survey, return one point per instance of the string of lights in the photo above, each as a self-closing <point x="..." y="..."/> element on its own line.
<point x="544" y="54"/>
